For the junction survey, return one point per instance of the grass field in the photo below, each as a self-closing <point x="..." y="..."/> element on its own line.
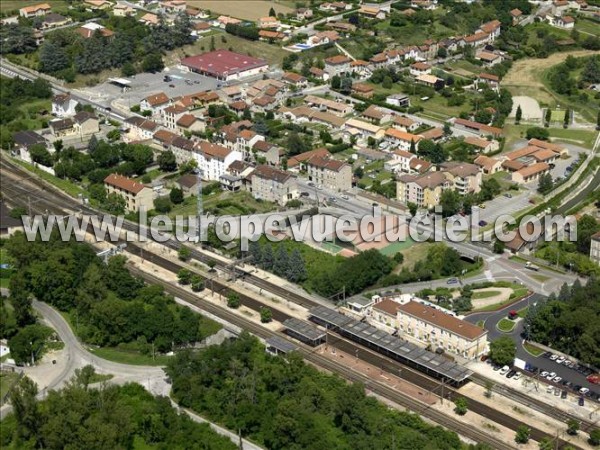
<point x="527" y="77"/>
<point x="413" y="254"/>
<point x="72" y="189"/>
<point x="557" y="115"/>
<point x="535" y="351"/>
<point x="396" y="247"/>
<point x="222" y="203"/>
<point x="241" y="9"/>
<point x="587" y="26"/>
<point x="505" y="325"/>
<point x="129" y="357"/>
<point x="583" y="138"/>
<point x="15" y="5"/>
<point x="478" y="295"/>
<point x="272" y="53"/>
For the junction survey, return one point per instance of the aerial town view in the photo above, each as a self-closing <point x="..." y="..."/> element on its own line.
<point x="300" y="224"/>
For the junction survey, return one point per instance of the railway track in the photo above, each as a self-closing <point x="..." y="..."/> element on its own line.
<point x="43" y="203"/>
<point x="310" y="355"/>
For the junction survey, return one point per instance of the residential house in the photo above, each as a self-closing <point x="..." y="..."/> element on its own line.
<point x="297" y="163"/>
<point x="488" y="165"/>
<point x="420" y="68"/>
<point x="336" y="65"/>
<point x="363" y="130"/>
<point x="265" y="152"/>
<point x="122" y="10"/>
<point x="188" y="123"/>
<point x="339" y="108"/>
<point x="54" y="20"/>
<point x="140" y="128"/>
<point x="295" y="80"/>
<point x="183" y="149"/>
<point x="433" y="134"/>
<point x="97" y="5"/>
<point x="323" y="37"/>
<point x="429" y="5"/>
<point x="150" y="19"/>
<point x="487" y="79"/>
<point x="372" y="12"/>
<point x="136" y="195"/>
<point x="32" y="11"/>
<point x="273" y="185"/>
<point x="223" y="21"/>
<point x="530" y="173"/>
<point x="478" y="39"/>
<point x="482" y="129"/>
<point x="85" y="123"/>
<point x="424" y="190"/>
<point x="155" y="103"/>
<point x="213" y="160"/>
<point x="62" y="127"/>
<point x="363" y="90"/>
<point x="24" y="140"/>
<point x="360" y="68"/>
<point x="304" y="14"/>
<point x="378" y="115"/>
<point x="8" y="224"/>
<point x="398" y="100"/>
<point x="489" y="59"/>
<point x="171" y="114"/>
<point x="329" y="173"/>
<point x="188" y="183"/>
<point x="63" y="105"/>
<point x="164" y="138"/>
<point x="466" y="178"/>
<point x="492" y="28"/>
<point x="268" y="22"/>
<point x="404" y="123"/>
<point x="88" y="30"/>
<point x="263" y="104"/>
<point x="344" y="27"/>
<point x="437" y="328"/>
<point x="430" y="80"/>
<point x="517" y="16"/>
<point x="173" y="6"/>
<point x="564" y="22"/>
<point x="483" y="145"/>
<point x="401" y="139"/>
<point x="319" y="74"/>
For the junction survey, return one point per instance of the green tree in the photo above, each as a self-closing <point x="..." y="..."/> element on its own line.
<point x="489" y="386"/>
<point x="548" y="117"/>
<point x="281" y="263"/>
<point x="53" y="58"/>
<point x="537" y="133"/>
<point x="412" y="208"/>
<point x="450" y="202"/>
<point x="166" y="161"/>
<point x="115" y="204"/>
<point x="447" y="129"/>
<point x="336" y="82"/>
<point x="460" y="406"/>
<point x="40" y="154"/>
<point x="176" y="196"/>
<point x="296" y="270"/>
<point x="162" y="205"/>
<point x="233" y="300"/>
<point x="153" y="63"/>
<point x="184" y="276"/>
<point x="546" y="444"/>
<point x="523" y="434"/>
<point x="503" y="351"/>
<point x="212" y="44"/>
<point x="572" y="427"/>
<point x="545" y="183"/>
<point x="499" y="246"/>
<point x="518" y="115"/>
<point x="184" y="253"/>
<point x="266" y="315"/>
<point x="272" y="12"/>
<point x="128" y="70"/>
<point x="594" y="437"/>
<point x="26" y="346"/>
<point x="567" y="119"/>
<point x="26" y="410"/>
<point x="197" y="283"/>
<point x="413" y="146"/>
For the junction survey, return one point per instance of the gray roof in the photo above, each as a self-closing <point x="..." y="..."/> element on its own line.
<point x="402" y="349"/>
<point x="28" y="138"/>
<point x="281" y="344"/>
<point x="304" y="329"/>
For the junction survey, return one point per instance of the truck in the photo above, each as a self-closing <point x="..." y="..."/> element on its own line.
<point x="531" y="266"/>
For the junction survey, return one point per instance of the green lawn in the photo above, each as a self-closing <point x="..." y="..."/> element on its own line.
<point x="505" y="325"/>
<point x="396" y="247"/>
<point x="463" y="65"/>
<point x="535" y="351"/>
<point x="587" y="26"/>
<point x="557" y="115"/>
<point x="484" y="294"/>
<point x="523" y="312"/>
<point x="540" y="278"/>
<point x="222" y="203"/>
<point x="64" y="185"/>
<point x="129" y="357"/>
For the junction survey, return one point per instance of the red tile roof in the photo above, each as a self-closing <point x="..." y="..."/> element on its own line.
<point x="127" y="184"/>
<point x="223" y="62"/>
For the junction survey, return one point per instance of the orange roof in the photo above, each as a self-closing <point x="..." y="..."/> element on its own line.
<point x="397" y="134"/>
<point x="157" y="99"/>
<point x="533" y="169"/>
<point x="187" y="120"/>
<point x="127" y="184"/>
<point x="213" y="150"/>
<point x="387" y="306"/>
<point x="295" y="160"/>
<point x="338" y="59"/>
<point x="35" y="8"/>
<point x="476" y="37"/>
<point x="489" y="76"/>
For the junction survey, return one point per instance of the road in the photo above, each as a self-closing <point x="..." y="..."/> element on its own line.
<point x="77" y="356"/>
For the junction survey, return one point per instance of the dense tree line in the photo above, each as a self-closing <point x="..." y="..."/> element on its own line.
<point x="246" y="32"/>
<point x="290" y="405"/>
<point x="103" y="417"/>
<point x="441" y="261"/>
<point x="15" y="94"/>
<point x="133" y="47"/>
<point x="289" y="265"/>
<point x="108" y="305"/>
<point x="569" y="321"/>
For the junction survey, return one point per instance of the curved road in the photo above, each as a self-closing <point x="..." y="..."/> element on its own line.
<point x="77" y="356"/>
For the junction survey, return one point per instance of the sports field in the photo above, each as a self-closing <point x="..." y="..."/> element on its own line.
<point x="557" y="116"/>
<point x="396" y="247"/>
<point x="241" y="9"/>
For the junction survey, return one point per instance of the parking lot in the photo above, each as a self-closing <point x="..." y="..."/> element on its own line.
<point x="144" y="84"/>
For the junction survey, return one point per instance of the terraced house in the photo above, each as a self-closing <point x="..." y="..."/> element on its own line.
<point x="329" y="173"/>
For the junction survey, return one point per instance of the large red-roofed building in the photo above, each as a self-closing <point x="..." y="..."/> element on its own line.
<point x="225" y="65"/>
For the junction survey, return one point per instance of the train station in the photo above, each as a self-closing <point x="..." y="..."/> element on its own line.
<point x="304" y="331"/>
<point x="398" y="349"/>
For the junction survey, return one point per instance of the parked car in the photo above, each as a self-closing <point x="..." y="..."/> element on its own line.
<point x="563" y="394"/>
<point x="452" y="281"/>
<point x="496" y="367"/>
<point x="345" y="197"/>
<point x="517" y="376"/>
<point x="511" y="374"/>
<point x="504" y="370"/>
<point x="549" y="389"/>
<point x="553" y="357"/>
<point x="581" y="402"/>
<point x="584" y="390"/>
<point x="508" y="195"/>
<point x="512" y="314"/>
<point x="557" y="379"/>
<point x="482" y="223"/>
<point x="560" y="359"/>
<point x="551" y="376"/>
<point x="544" y="374"/>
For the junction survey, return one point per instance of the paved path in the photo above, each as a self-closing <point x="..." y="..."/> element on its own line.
<point x="76" y="356"/>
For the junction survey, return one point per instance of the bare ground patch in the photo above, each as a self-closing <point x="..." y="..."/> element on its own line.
<point x="241" y="9"/>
